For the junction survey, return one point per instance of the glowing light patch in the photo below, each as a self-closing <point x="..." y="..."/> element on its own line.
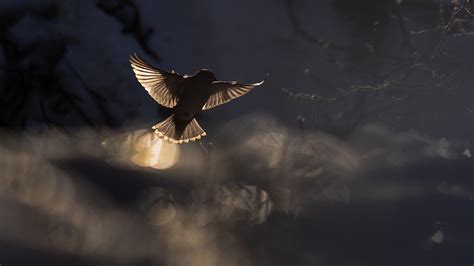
<point x="152" y="151"/>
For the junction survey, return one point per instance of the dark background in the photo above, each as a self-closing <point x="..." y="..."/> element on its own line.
<point x="360" y="138"/>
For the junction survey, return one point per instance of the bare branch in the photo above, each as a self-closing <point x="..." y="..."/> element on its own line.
<point x="456" y="11"/>
<point x="303" y="33"/>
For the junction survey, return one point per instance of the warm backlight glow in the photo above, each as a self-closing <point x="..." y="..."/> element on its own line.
<point x="152" y="151"/>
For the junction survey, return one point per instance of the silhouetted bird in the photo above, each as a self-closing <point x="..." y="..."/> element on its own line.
<point x="187" y="95"/>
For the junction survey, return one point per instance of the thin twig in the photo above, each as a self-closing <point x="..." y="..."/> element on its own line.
<point x="456" y="11"/>
<point x="405" y="33"/>
<point x="306" y="35"/>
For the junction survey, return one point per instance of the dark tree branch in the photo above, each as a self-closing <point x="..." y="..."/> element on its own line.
<point x="405" y="34"/>
<point x="131" y="24"/>
<point x="303" y="33"/>
<point x="456" y="11"/>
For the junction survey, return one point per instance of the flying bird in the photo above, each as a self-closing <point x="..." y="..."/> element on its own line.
<point x="188" y="95"/>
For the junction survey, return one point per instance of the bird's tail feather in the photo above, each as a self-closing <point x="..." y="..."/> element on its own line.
<point x="179" y="131"/>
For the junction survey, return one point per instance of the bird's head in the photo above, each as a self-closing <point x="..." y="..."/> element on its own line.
<point x="206" y="75"/>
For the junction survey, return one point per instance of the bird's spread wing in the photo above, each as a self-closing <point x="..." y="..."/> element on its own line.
<point x="225" y="91"/>
<point x="163" y="86"/>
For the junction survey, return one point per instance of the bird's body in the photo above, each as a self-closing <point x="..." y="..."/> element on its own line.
<point x="196" y="92"/>
<point x="187" y="95"/>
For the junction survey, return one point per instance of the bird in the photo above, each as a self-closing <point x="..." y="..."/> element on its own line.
<point x="187" y="95"/>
